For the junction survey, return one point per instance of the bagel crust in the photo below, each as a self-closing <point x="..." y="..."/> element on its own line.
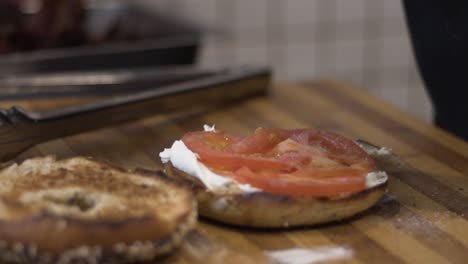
<point x="266" y="210"/>
<point x="80" y="210"/>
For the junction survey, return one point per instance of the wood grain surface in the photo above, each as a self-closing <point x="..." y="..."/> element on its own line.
<point x="422" y="219"/>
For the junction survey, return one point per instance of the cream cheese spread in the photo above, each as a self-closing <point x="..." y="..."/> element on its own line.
<point x="185" y="160"/>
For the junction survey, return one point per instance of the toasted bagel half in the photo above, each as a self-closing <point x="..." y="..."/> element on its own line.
<point x="80" y="210"/>
<point x="266" y="210"/>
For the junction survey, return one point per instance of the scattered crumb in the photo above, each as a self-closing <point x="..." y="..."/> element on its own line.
<point x="209" y="128"/>
<point x="220" y="204"/>
<point x="379" y="152"/>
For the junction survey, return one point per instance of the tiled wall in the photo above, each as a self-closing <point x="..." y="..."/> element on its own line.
<point x="362" y="41"/>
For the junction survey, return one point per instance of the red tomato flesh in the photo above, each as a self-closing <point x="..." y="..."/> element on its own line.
<point x="300" y="184"/>
<point x="215" y="149"/>
<point x="300" y="162"/>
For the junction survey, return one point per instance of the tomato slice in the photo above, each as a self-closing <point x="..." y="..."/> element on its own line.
<point x="341" y="149"/>
<point x="262" y="140"/>
<point x="215" y="149"/>
<point x="233" y="162"/>
<point x="299" y="184"/>
<point x="299" y="162"/>
<point x="216" y="142"/>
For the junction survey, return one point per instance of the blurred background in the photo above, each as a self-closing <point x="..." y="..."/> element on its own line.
<point x="361" y="41"/>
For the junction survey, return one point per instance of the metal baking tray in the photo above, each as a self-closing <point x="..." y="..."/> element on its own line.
<point x="185" y="90"/>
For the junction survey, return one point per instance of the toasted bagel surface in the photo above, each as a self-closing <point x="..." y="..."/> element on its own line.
<point x="265" y="210"/>
<point x="61" y="211"/>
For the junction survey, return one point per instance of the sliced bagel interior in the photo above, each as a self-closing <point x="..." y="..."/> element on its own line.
<point x="80" y="209"/>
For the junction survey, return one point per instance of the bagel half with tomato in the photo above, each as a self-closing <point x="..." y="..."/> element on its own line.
<point x="275" y="178"/>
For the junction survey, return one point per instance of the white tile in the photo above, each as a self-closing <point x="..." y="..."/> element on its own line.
<point x="250" y="14"/>
<point x="352" y="30"/>
<point x="350" y="10"/>
<point x="349" y="55"/>
<point x="252" y="37"/>
<point x="208" y="59"/>
<point x="424" y="113"/>
<point x="301" y="11"/>
<point x="225" y="15"/>
<point x="300" y="33"/>
<point x="325" y="58"/>
<point x="419" y="104"/>
<point x="396" y="52"/>
<point x="252" y="55"/>
<point x="214" y="38"/>
<point x="411" y="99"/>
<point x="399" y="87"/>
<point x="374" y="9"/>
<point x="395" y="77"/>
<point x="280" y="73"/>
<point x="326" y="32"/>
<point x="415" y="76"/>
<point x="300" y="62"/>
<point x="394" y="28"/>
<point x="222" y="49"/>
<point x="209" y="53"/>
<point x="373" y="54"/>
<point x="392" y="8"/>
<point x="277" y="55"/>
<point x="218" y="44"/>
<point x="202" y="12"/>
<point x="353" y="77"/>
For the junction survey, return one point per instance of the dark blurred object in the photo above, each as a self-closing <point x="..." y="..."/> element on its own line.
<point x="439" y="33"/>
<point x="38" y="24"/>
<point x="76" y="35"/>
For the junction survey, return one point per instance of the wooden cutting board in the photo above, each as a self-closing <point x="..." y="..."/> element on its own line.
<point x="422" y="219"/>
